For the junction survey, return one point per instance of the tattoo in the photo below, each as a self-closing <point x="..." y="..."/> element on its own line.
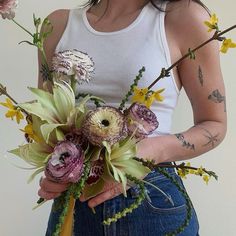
<point x="216" y="97"/>
<point x="200" y="75"/>
<point x="211" y="139"/>
<point x="185" y="144"/>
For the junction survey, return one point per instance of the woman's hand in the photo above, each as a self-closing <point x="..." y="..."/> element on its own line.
<point x="110" y="190"/>
<point x="50" y="190"/>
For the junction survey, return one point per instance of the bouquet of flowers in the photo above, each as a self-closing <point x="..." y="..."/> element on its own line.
<point x="72" y="143"/>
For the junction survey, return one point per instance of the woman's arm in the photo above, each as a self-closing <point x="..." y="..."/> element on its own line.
<point x="58" y="20"/>
<point x="203" y="83"/>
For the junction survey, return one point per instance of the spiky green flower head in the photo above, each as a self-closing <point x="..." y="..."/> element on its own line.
<point x="58" y="110"/>
<point x="120" y="162"/>
<point x="104" y="124"/>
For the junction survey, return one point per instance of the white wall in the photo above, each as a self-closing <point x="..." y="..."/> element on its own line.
<point x="215" y="203"/>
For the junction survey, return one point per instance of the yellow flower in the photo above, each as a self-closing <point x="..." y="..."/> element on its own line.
<point x="212" y="23"/>
<point x="158" y="95"/>
<point x="206" y="178"/>
<point x="227" y="43"/>
<point x="182" y="173"/>
<point x="200" y="171"/>
<point x="149" y="100"/>
<point x="13" y="110"/>
<point x="30" y="132"/>
<point x="139" y="95"/>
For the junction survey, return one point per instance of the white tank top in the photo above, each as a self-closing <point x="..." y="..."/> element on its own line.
<point x="119" y="55"/>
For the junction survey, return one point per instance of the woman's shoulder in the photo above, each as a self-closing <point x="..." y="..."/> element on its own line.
<point x="58" y="19"/>
<point x="185" y="20"/>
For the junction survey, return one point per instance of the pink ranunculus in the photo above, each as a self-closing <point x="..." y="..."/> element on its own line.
<point x="140" y="120"/>
<point x="7" y="8"/>
<point x="66" y="163"/>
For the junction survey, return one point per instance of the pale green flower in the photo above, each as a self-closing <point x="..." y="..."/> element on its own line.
<point x="119" y="161"/>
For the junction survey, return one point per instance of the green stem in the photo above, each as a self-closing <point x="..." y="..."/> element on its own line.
<point x="73" y="83"/>
<point x="10" y="97"/>
<point x="130" y="92"/>
<point x="188" y="203"/>
<point x="27" y="31"/>
<point x="133" y="206"/>
<point x="45" y="62"/>
<point x="158" y="189"/>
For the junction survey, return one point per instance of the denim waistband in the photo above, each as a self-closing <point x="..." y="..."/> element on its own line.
<point x="157" y="175"/>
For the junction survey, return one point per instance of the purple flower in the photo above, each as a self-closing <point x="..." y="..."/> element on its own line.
<point x="7" y="8"/>
<point x="73" y="63"/>
<point x="140" y="120"/>
<point x="76" y="137"/>
<point x="96" y="171"/>
<point x="66" y="163"/>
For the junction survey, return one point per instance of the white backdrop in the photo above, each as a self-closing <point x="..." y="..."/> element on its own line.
<point x="215" y="203"/>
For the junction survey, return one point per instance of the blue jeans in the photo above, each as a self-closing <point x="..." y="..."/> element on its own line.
<point x="155" y="218"/>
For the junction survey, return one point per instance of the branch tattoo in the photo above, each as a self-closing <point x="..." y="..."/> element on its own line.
<point x="217" y="97"/>
<point x="185" y="144"/>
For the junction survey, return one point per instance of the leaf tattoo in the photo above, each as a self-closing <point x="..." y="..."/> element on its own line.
<point x="216" y="97"/>
<point x="185" y="144"/>
<point x="200" y="75"/>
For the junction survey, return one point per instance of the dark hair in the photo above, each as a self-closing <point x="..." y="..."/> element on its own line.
<point x="94" y="2"/>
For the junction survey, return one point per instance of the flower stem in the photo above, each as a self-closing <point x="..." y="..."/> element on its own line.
<point x="133" y="206"/>
<point x="27" y="31"/>
<point x="216" y="36"/>
<point x="130" y="92"/>
<point x="188" y="203"/>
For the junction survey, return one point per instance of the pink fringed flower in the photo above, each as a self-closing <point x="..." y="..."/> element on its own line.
<point x="7" y="8"/>
<point x="73" y="63"/>
<point x="66" y="163"/>
<point x="140" y="120"/>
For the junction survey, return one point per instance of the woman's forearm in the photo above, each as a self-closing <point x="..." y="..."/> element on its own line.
<point x="185" y="145"/>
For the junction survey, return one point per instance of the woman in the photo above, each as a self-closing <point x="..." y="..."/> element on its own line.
<point x="122" y="36"/>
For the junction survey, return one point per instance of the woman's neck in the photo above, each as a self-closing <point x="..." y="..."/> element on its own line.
<point x="113" y="9"/>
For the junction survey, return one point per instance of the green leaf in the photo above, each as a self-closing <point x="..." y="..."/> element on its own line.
<point x="31" y="178"/>
<point x="64" y="100"/>
<point x="94" y="189"/>
<point x="47" y="129"/>
<point x="46" y="100"/>
<point x="123" y="180"/>
<point x="36" y="109"/>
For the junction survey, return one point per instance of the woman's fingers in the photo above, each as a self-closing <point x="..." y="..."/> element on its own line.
<point x="49" y="189"/>
<point x="115" y="191"/>
<point x="47" y="195"/>
<point x="50" y="186"/>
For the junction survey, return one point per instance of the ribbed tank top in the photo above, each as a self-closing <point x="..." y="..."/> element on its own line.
<point x="119" y="55"/>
